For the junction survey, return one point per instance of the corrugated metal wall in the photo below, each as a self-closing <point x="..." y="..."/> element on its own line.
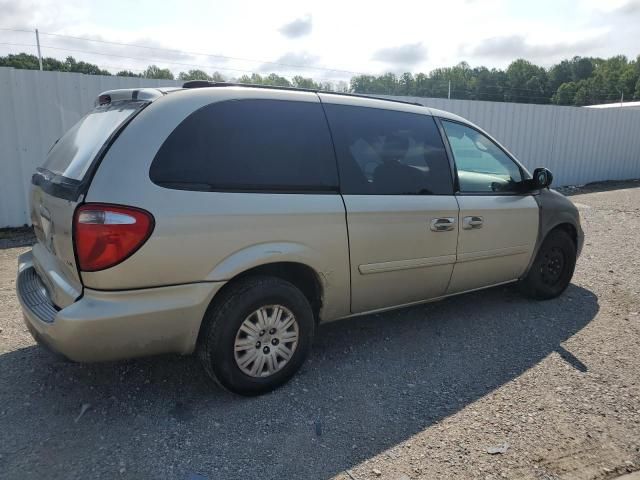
<point x="578" y="145"/>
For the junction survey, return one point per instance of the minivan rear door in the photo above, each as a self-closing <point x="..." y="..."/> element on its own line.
<point x="59" y="186"/>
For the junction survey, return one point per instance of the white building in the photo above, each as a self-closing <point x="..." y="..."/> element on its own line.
<point x="632" y="105"/>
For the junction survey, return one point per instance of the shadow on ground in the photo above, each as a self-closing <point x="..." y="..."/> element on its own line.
<point x="371" y="383"/>
<point x="606" y="186"/>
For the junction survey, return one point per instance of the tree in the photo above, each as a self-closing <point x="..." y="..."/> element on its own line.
<point x="583" y="95"/>
<point x="566" y="94"/>
<point x="71" y="65"/>
<point x="276" y="81"/>
<point x="201" y="75"/>
<point x="406" y="84"/>
<point x="30" y="62"/>
<point x="559" y="74"/>
<point x="300" y="82"/>
<point x="154" y="71"/>
<point x="194" y="75"/>
<point x="582" y="68"/>
<point x="526" y="83"/>
<point x="217" y="77"/>
<point x="127" y="73"/>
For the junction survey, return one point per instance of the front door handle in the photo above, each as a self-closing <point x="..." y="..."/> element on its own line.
<point x="443" y="224"/>
<point x="473" y="222"/>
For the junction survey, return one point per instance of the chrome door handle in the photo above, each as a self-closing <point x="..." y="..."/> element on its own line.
<point x="473" y="222"/>
<point x="443" y="224"/>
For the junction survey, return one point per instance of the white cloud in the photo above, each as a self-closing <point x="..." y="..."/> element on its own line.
<point x="402" y="55"/>
<point x="298" y="27"/>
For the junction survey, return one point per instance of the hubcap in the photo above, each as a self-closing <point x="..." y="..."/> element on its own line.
<point x="552" y="266"/>
<point x="266" y="341"/>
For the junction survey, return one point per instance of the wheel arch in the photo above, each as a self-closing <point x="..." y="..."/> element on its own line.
<point x="567" y="227"/>
<point x="299" y="274"/>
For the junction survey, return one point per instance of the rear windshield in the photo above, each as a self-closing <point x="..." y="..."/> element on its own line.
<point x="73" y="153"/>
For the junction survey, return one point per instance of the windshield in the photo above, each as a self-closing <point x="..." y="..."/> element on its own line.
<point x="73" y="153"/>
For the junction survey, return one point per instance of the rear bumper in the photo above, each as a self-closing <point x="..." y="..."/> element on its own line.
<point x="103" y="325"/>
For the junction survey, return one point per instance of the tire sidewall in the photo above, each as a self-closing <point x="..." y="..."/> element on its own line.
<point x="230" y="317"/>
<point x="539" y="289"/>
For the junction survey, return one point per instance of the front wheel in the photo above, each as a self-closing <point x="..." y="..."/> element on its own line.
<point x="257" y="335"/>
<point x="552" y="268"/>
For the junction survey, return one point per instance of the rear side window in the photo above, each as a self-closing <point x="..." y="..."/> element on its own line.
<point x="73" y="153"/>
<point x="249" y="145"/>
<point x="385" y="152"/>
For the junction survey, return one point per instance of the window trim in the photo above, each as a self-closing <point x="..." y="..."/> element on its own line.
<point x="523" y="172"/>
<point x="452" y="172"/>
<point x="250" y="188"/>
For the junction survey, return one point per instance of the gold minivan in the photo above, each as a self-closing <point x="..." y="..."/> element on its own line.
<point x="230" y="220"/>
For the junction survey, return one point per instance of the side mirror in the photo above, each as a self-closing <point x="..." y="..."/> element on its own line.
<point x="542" y="178"/>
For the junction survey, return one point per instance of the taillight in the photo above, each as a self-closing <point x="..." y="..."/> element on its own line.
<point x="105" y="235"/>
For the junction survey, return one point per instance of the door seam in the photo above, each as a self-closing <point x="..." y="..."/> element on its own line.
<point x="457" y="245"/>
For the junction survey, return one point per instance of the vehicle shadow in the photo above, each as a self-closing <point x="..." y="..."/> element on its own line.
<point x="371" y="382"/>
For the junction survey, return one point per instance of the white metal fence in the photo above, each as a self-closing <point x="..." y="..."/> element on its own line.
<point x="578" y="145"/>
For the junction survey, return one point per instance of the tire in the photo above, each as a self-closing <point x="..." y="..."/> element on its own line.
<point x="238" y="307"/>
<point x="553" y="267"/>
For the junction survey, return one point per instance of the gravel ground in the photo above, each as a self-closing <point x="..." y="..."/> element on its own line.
<point x="425" y="392"/>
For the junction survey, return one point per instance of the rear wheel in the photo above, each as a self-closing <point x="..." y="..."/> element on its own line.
<point x="257" y="335"/>
<point x="553" y="267"/>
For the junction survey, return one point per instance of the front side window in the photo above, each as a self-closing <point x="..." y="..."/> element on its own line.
<point x="249" y="145"/>
<point x="386" y="152"/>
<point x="482" y="165"/>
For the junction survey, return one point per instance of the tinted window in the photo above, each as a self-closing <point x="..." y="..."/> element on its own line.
<point x="482" y="165"/>
<point x="388" y="152"/>
<point x="249" y="145"/>
<point x="73" y="153"/>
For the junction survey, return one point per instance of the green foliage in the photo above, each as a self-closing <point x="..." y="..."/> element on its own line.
<point x="127" y="73"/>
<point x="30" y="62"/>
<point x="577" y="81"/>
<point x="300" y="82"/>
<point x="200" y="75"/>
<point x="154" y="71"/>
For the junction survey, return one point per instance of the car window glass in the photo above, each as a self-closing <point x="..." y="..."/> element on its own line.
<point x="72" y="155"/>
<point x="262" y="145"/>
<point x="482" y="166"/>
<point x="386" y="152"/>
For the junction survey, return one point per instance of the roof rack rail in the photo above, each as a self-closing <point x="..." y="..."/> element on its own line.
<point x="207" y="83"/>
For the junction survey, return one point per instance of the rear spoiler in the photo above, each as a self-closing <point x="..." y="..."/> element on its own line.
<point x="132" y="94"/>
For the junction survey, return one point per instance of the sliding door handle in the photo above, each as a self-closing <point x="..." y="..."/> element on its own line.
<point x="470" y="223"/>
<point x="443" y="224"/>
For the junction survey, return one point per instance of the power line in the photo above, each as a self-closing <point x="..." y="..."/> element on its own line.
<point x="226" y="57"/>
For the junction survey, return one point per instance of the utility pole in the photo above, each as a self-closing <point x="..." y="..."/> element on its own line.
<point x="448" y="95"/>
<point x="38" y="44"/>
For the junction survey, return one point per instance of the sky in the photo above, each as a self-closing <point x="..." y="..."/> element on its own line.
<point x="327" y="40"/>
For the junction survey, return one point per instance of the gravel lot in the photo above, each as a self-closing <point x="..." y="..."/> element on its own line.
<point x="424" y="392"/>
